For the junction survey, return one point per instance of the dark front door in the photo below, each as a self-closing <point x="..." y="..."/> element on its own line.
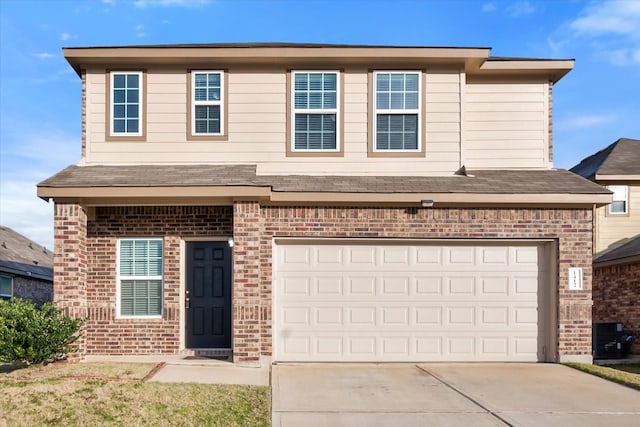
<point x="208" y="295"/>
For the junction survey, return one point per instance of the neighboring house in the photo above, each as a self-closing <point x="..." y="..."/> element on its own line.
<point x="296" y="202"/>
<point x="616" y="288"/>
<point x="26" y="268"/>
<point x="616" y="284"/>
<point x="617" y="167"/>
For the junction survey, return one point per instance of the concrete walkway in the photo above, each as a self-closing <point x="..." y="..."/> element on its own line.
<point x="447" y="394"/>
<point x="178" y="369"/>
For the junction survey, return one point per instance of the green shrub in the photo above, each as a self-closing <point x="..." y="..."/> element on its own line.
<point x="31" y="335"/>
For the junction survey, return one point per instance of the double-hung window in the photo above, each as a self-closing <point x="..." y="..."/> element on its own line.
<point x="315" y="121"/>
<point x="140" y="266"/>
<point x="126" y="103"/>
<point x="397" y="113"/>
<point x="207" y="103"/>
<point x="620" y="204"/>
<point x="6" y="287"/>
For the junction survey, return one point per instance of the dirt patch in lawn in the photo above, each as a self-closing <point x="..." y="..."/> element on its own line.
<point x="97" y="371"/>
<point x="46" y="396"/>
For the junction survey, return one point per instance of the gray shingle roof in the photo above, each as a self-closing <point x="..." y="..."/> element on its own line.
<point x="478" y="181"/>
<point x="153" y="176"/>
<point x="630" y="251"/>
<point x="620" y="158"/>
<point x="21" y="256"/>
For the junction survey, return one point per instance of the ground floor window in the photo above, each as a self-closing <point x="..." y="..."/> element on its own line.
<point x="6" y="287"/>
<point x="140" y="268"/>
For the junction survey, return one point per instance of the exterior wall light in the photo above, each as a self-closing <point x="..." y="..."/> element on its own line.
<point x="426" y="203"/>
<point x="230" y="241"/>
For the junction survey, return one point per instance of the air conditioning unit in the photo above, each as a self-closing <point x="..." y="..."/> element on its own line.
<point x="607" y="340"/>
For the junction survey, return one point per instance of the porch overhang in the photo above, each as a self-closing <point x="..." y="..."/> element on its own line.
<point x="172" y="185"/>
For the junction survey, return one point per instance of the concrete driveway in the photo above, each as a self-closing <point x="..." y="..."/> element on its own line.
<point x="488" y="394"/>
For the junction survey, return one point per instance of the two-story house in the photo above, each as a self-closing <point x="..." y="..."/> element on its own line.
<point x="616" y="262"/>
<point x="303" y="202"/>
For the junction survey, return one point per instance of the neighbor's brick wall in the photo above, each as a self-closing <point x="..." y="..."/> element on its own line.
<point x="616" y="298"/>
<point x="105" y="333"/>
<point x="571" y="227"/>
<point x="38" y="291"/>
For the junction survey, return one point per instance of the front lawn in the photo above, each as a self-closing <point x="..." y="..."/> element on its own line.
<point x="625" y="374"/>
<point x="114" y="394"/>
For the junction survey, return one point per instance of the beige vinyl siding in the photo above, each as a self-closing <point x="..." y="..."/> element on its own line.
<point x="614" y="230"/>
<point x="442" y="134"/>
<point x="506" y="125"/>
<point x="257" y="126"/>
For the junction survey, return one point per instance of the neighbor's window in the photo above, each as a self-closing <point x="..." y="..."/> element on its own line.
<point x="207" y="102"/>
<point x="140" y="277"/>
<point x="126" y="103"/>
<point x="620" y="204"/>
<point x="397" y="111"/>
<point x="315" y="110"/>
<point x="6" y="287"/>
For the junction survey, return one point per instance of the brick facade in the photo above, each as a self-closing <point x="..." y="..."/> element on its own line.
<point x="254" y="227"/>
<point x="616" y="289"/>
<point x="70" y="264"/>
<point x="38" y="291"/>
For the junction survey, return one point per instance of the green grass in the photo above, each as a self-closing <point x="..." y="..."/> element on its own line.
<point x="625" y="374"/>
<point x="53" y="396"/>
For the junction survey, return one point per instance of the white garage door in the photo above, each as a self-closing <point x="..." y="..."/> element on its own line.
<point x="397" y="302"/>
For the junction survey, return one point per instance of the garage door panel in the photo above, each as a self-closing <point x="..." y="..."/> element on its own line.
<point x="388" y="347"/>
<point x="431" y="302"/>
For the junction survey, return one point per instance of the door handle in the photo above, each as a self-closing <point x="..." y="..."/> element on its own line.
<point x="187" y="303"/>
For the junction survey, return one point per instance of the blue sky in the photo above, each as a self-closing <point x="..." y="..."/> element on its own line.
<point x="595" y="104"/>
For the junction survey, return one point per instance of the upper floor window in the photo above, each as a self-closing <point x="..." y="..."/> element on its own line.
<point x="126" y="103"/>
<point x="315" y="121"/>
<point x="6" y="287"/>
<point x="207" y="102"/>
<point x="397" y="112"/>
<point x="620" y="204"/>
<point x="140" y="267"/>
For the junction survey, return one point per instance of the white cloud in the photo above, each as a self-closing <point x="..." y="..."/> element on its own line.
<point x="489" y="7"/>
<point x="65" y="36"/>
<point x="610" y="17"/>
<point x="43" y="55"/>
<point x="520" y="8"/>
<point x="167" y="3"/>
<point x="140" y="31"/>
<point x="27" y="159"/>
<point x="24" y="212"/>
<point x="609" y="29"/>
<point x="585" y="121"/>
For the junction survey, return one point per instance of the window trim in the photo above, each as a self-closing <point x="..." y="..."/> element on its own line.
<point x="291" y="112"/>
<point x="5" y="296"/>
<point x="626" y="201"/>
<point x="372" y="151"/>
<point x="126" y="137"/>
<point x="224" y="103"/>
<point x="119" y="279"/>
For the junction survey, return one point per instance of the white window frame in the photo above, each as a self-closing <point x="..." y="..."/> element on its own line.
<point x="11" y="281"/>
<point x="295" y="111"/>
<point x="119" y="279"/>
<point x="112" y="75"/>
<point x="195" y="103"/>
<point x="417" y="111"/>
<point x="619" y="189"/>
